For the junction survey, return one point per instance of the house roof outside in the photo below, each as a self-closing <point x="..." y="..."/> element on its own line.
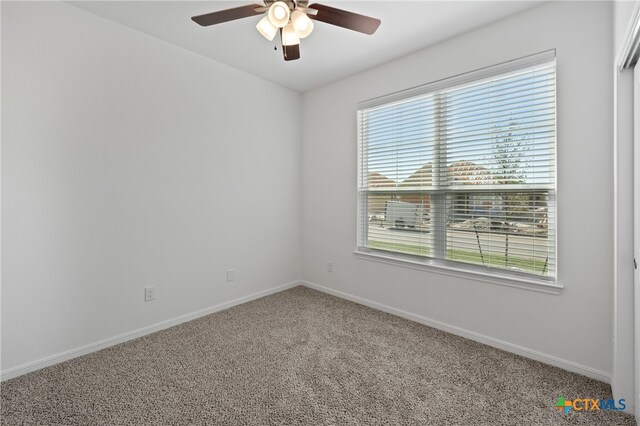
<point x="465" y="172"/>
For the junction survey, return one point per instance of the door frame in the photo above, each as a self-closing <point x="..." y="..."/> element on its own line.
<point x="625" y="380"/>
<point x="636" y="233"/>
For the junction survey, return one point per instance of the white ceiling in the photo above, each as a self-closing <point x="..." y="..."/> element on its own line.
<point x="329" y="54"/>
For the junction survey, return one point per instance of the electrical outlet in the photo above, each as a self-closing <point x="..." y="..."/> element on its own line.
<point x="230" y="275"/>
<point x="150" y="293"/>
<point x="330" y="266"/>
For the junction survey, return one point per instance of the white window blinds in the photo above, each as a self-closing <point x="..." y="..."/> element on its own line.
<point x="463" y="170"/>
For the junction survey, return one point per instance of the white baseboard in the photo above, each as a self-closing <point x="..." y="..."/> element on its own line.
<point x="490" y="341"/>
<point x="102" y="344"/>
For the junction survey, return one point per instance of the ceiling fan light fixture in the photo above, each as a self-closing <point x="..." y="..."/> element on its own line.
<point x="293" y="19"/>
<point x="301" y="23"/>
<point x="266" y="28"/>
<point x="290" y="36"/>
<point x="279" y="14"/>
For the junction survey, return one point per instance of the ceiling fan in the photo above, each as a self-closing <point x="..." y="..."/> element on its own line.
<point x="292" y="19"/>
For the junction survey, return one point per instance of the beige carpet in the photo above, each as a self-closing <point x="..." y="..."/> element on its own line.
<point x="300" y="357"/>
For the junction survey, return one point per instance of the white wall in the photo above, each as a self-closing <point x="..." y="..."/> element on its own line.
<point x="129" y="162"/>
<point x="575" y="326"/>
<point x="623" y="365"/>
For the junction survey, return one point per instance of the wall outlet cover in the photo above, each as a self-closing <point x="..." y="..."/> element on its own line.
<point x="149" y="293"/>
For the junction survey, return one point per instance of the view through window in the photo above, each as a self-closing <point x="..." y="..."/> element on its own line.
<point x="463" y="170"/>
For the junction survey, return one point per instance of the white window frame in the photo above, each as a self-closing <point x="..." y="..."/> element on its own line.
<point x="442" y="266"/>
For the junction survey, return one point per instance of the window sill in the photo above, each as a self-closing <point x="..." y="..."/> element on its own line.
<point x="438" y="268"/>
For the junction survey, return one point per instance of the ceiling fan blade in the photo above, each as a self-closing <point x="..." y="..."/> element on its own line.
<point x="344" y="19"/>
<point x="291" y="53"/>
<point x="227" y="15"/>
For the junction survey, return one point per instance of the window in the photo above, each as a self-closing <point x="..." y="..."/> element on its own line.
<point x="461" y="172"/>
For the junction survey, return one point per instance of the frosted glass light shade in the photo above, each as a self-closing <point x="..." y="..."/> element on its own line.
<point x="289" y="36"/>
<point x="279" y="14"/>
<point x="301" y="23"/>
<point x="266" y="28"/>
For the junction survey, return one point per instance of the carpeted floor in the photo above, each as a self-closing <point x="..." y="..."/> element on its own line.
<point x="300" y="357"/>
